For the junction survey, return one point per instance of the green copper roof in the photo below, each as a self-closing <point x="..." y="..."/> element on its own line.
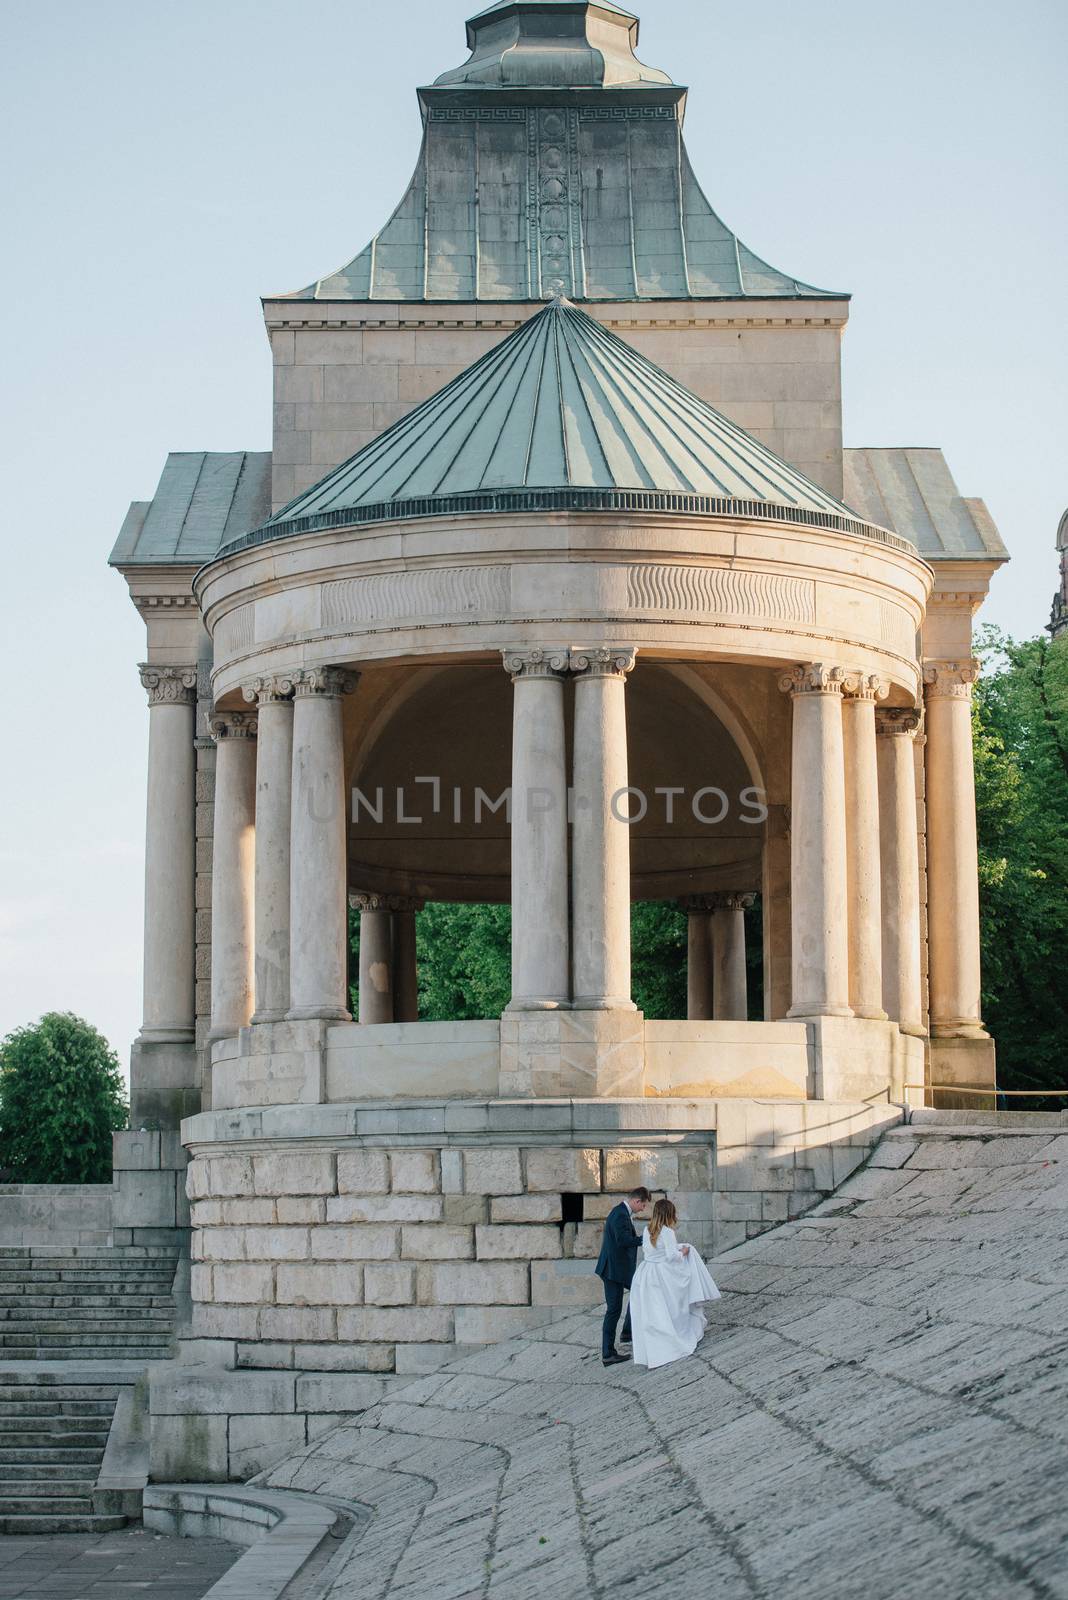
<point x="562" y="414"/>
<point x="553" y="162"/>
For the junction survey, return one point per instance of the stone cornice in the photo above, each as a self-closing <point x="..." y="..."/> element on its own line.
<point x="169" y="686"/>
<point x="623" y="316"/>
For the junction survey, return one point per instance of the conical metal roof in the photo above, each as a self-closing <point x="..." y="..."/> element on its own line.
<point x="562" y="414"/>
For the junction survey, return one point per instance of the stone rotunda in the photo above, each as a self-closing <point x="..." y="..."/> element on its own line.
<point x="595" y="609"/>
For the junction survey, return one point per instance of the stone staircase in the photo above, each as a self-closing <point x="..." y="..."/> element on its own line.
<point x="77" y="1326"/>
<point x="88" y="1304"/>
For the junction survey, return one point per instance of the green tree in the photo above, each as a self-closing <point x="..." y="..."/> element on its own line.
<point x="1021" y="782"/>
<point x="61" y="1099"/>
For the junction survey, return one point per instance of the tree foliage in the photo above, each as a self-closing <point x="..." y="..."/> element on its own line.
<point x="61" y="1099"/>
<point x="1021" y="782"/>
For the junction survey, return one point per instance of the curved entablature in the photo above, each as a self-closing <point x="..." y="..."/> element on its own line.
<point x="553" y="161"/>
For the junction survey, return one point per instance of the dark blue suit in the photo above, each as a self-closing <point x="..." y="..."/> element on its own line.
<point x="615" y="1267"/>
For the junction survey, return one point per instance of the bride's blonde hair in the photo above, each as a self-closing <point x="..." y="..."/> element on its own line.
<point x="664" y="1216"/>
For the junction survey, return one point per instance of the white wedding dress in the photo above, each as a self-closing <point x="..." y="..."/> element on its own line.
<point x="667" y="1289"/>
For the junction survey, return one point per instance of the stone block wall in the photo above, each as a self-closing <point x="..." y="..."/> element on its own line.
<point x="380" y="1251"/>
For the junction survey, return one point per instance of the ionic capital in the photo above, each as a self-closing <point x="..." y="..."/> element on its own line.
<point x="232" y="725"/>
<point x="268" y="691"/>
<point x="717" y="900"/>
<point x="535" y="663"/>
<point x="603" y="661"/>
<point x="865" y="686"/>
<point x="950" y="680"/>
<point x="896" y="722"/>
<point x="324" y="682"/>
<point x="169" y="686"/>
<point x="816" y="677"/>
<point x="370" y="900"/>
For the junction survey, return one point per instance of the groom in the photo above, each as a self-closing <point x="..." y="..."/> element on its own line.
<point x="615" y="1268"/>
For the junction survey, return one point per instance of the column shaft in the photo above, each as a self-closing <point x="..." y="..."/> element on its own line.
<point x="899" y="854"/>
<point x="169" y="1011"/>
<point x="539" y="832"/>
<point x="405" y="967"/>
<point x="233" y="873"/>
<point x="730" y="986"/>
<point x="274" y="788"/>
<point x="318" y="965"/>
<point x="699" y="962"/>
<point x="818" y="899"/>
<point x="952" y="851"/>
<point x="376" y="959"/>
<point x="600" y="833"/>
<point x="862" y="846"/>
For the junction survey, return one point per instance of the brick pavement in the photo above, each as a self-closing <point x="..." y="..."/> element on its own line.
<point x="110" y="1566"/>
<point x="880" y="1407"/>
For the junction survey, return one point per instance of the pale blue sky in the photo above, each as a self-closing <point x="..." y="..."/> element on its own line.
<point x="166" y="165"/>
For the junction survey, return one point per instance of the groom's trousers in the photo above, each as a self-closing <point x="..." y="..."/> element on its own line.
<point x="613" y="1295"/>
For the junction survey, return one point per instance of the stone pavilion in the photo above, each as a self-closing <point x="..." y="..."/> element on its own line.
<point x="556" y="590"/>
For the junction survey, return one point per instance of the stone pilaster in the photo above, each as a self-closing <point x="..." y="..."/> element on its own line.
<point x="600" y="841"/>
<point x="540" y="979"/>
<point x="273" y="698"/>
<point x="896" y="730"/>
<point x="818" y="875"/>
<point x="318" y="963"/>
<point x="233" y="873"/>
<point x="863" y="873"/>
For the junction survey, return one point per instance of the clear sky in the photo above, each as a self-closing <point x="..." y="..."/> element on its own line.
<point x="167" y="164"/>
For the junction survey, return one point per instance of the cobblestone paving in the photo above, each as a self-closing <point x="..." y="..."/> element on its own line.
<point x="110" y="1566"/>
<point x="880" y="1408"/>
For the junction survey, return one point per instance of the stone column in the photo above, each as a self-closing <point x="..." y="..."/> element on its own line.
<point x="730" y="996"/>
<point x="952" y="851"/>
<point x="699" y="957"/>
<point x="900" y="868"/>
<point x="318" y="945"/>
<point x="405" y="967"/>
<point x="274" y="787"/>
<point x="863" y="872"/>
<point x="600" y="840"/>
<point x="539" y="831"/>
<point x="819" y="927"/>
<point x="376" y="957"/>
<point x="169" y="1011"/>
<point x="233" y="872"/>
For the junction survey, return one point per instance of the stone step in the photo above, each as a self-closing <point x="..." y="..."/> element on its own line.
<point x="119" y="1279"/>
<point x="156" y="1352"/>
<point x="81" y="1474"/>
<point x="83" y="1522"/>
<point x="43" y="1453"/>
<point x="94" y="1302"/>
<point x="17" y="1433"/>
<point x="46" y="1321"/>
<point x="67" y="1399"/>
<point x="72" y="1341"/>
<point x="38" y="1505"/>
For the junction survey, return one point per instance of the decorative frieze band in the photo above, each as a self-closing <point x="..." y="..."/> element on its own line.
<point x="950" y="679"/>
<point x="232" y="725"/>
<point x="668" y="588"/>
<point x="169" y="686"/>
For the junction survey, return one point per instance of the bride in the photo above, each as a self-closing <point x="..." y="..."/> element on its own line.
<point x="670" y="1283"/>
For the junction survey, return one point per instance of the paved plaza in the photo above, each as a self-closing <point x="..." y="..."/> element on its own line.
<point x="879" y="1408"/>
<point x="110" y="1566"/>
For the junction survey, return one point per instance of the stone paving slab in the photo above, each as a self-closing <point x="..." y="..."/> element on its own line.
<point x="111" y="1566"/>
<point x="879" y="1407"/>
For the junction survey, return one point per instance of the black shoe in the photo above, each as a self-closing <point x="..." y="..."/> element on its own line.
<point x="614" y="1360"/>
<point x="626" y="1339"/>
